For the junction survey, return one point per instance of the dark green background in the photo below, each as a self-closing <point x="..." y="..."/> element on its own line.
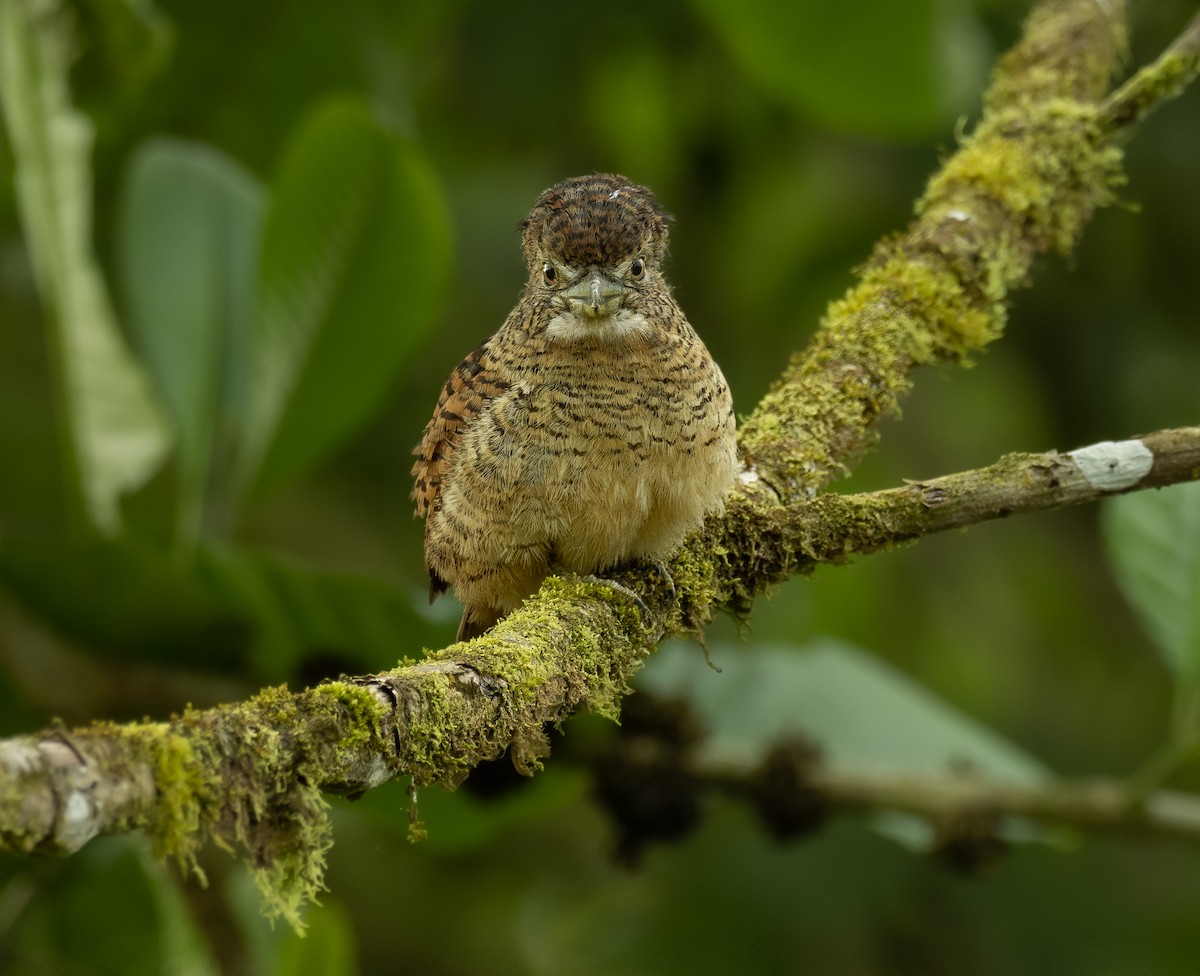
<point x="785" y="144"/>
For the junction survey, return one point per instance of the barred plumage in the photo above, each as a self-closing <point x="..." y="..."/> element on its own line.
<point x="593" y="428"/>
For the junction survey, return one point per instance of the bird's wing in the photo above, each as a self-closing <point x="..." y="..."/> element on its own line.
<point x="472" y="385"/>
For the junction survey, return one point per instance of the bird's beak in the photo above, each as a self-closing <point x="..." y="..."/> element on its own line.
<point x="595" y="295"/>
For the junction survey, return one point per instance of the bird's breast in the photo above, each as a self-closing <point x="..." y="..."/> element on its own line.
<point x="614" y="462"/>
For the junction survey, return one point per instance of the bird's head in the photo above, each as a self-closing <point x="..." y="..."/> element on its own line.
<point x="594" y="246"/>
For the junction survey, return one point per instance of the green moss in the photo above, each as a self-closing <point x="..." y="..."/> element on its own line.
<point x="1044" y="163"/>
<point x="1026" y="181"/>
<point x="288" y="853"/>
<point x="185" y="787"/>
<point x="349" y="715"/>
<point x="249" y="776"/>
<point x="430" y="734"/>
<point x="572" y="649"/>
<point x="1154" y="84"/>
<point x="1067" y="49"/>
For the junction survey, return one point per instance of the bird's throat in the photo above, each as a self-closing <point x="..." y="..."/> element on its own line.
<point x="621" y="326"/>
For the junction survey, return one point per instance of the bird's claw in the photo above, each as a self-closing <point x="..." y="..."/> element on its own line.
<point x="665" y="575"/>
<point x="620" y="588"/>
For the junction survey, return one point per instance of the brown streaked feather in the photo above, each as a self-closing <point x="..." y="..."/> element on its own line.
<point x="437" y="585"/>
<point x="477" y="621"/>
<point x="470" y="387"/>
<point x="594" y="220"/>
<point x="555" y="446"/>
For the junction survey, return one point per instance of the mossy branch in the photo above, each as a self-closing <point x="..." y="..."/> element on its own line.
<point x="762" y="544"/>
<point x="1024" y="182"/>
<point x="1156" y="83"/>
<point x="252" y="774"/>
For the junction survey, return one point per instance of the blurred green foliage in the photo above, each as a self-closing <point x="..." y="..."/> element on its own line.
<point x="270" y="233"/>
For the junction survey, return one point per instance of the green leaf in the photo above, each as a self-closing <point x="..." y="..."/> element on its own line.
<point x="299" y="613"/>
<point x="327" y="945"/>
<point x="1153" y="544"/>
<point x="184" y="949"/>
<point x="114" y="435"/>
<point x="354" y="261"/>
<point x="864" y="715"/>
<point x="125" y="600"/>
<point x="227" y="609"/>
<point x="133" y="37"/>
<point x="188" y="229"/>
<point x="139" y="925"/>
<point x="460" y="823"/>
<point x="875" y="66"/>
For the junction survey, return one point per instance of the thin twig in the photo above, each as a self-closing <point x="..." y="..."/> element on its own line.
<point x="1156" y="83"/>
<point x="1022" y="483"/>
<point x="249" y="774"/>
<point x="783" y="541"/>
<point x="1098" y="804"/>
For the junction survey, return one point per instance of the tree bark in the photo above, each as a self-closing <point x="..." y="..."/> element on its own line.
<point x="1027" y="180"/>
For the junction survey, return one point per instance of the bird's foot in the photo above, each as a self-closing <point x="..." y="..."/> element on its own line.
<point x="664" y="574"/>
<point x="619" y="588"/>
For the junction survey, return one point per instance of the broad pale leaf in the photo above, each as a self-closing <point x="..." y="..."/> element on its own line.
<point x="354" y="262"/>
<point x="188" y="233"/>
<point x="1153" y="543"/>
<point x="864" y="715"/>
<point x="116" y="434"/>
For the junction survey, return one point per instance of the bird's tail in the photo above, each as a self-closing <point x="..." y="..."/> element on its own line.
<point x="477" y="621"/>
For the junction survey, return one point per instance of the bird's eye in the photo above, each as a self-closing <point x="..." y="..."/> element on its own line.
<point x="638" y="269"/>
<point x="548" y="273"/>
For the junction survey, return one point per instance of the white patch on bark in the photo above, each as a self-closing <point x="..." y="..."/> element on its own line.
<point x="1113" y="465"/>
<point x="19" y="759"/>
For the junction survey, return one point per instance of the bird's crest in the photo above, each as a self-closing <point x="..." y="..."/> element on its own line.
<point x="594" y="220"/>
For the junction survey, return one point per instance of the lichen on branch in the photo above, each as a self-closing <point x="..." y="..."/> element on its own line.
<point x="1025" y="181"/>
<point x="250" y="776"/>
